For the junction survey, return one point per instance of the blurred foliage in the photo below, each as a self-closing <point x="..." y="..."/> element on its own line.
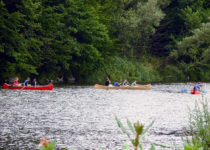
<point x="46" y="144"/>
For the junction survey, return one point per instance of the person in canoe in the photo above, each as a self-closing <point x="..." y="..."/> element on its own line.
<point x="134" y="83"/>
<point x="34" y="82"/>
<point x="116" y="83"/>
<point x="108" y="81"/>
<point x="26" y="82"/>
<point x="197" y="87"/>
<point x="16" y="82"/>
<point x="125" y="83"/>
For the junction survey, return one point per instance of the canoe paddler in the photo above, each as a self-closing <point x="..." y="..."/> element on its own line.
<point x="125" y="83"/>
<point x="134" y="83"/>
<point x="26" y="82"/>
<point x="108" y="81"/>
<point x="34" y="82"/>
<point x="197" y="86"/>
<point x="116" y="83"/>
<point x="16" y="82"/>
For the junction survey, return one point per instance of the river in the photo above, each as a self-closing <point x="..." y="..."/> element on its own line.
<point x="82" y="117"/>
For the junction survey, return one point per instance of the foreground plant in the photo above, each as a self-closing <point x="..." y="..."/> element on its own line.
<point x="46" y="144"/>
<point x="192" y="147"/>
<point x="137" y="129"/>
<point x="199" y="125"/>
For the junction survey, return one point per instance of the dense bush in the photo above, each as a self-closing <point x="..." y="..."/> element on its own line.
<point x="118" y="68"/>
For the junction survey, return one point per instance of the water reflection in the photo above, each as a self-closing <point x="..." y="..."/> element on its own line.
<point x="83" y="117"/>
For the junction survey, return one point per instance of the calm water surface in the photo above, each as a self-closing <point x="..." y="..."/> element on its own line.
<point x="83" y="117"/>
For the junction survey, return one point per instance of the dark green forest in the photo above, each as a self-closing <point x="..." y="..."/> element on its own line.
<point x="87" y="40"/>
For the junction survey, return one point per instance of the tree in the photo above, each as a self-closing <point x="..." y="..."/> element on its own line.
<point x="90" y="38"/>
<point x="14" y="55"/>
<point x="182" y="17"/>
<point x="134" y="26"/>
<point x="192" y="55"/>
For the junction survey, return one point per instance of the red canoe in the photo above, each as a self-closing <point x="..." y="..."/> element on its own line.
<point x="44" y="87"/>
<point x="196" y="92"/>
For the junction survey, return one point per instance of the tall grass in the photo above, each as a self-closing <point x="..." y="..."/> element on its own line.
<point x="199" y="125"/>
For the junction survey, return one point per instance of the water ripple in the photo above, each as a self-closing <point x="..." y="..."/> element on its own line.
<point x="83" y="118"/>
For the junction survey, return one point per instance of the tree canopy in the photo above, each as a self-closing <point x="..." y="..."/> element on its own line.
<point x="81" y="39"/>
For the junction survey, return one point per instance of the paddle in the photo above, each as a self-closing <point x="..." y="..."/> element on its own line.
<point x="186" y="91"/>
<point x="22" y="88"/>
<point x="22" y="84"/>
<point x="203" y="89"/>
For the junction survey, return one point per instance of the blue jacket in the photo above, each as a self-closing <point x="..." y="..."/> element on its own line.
<point x="197" y="87"/>
<point x="116" y="84"/>
<point x="26" y="83"/>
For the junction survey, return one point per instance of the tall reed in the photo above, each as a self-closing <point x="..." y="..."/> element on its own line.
<point x="199" y="125"/>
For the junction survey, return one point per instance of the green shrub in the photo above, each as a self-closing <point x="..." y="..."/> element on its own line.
<point x="199" y="125"/>
<point x="118" y="68"/>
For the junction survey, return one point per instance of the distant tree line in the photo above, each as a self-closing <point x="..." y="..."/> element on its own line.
<point x="79" y="38"/>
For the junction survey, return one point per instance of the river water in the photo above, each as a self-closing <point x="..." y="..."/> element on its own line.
<point x="82" y="117"/>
